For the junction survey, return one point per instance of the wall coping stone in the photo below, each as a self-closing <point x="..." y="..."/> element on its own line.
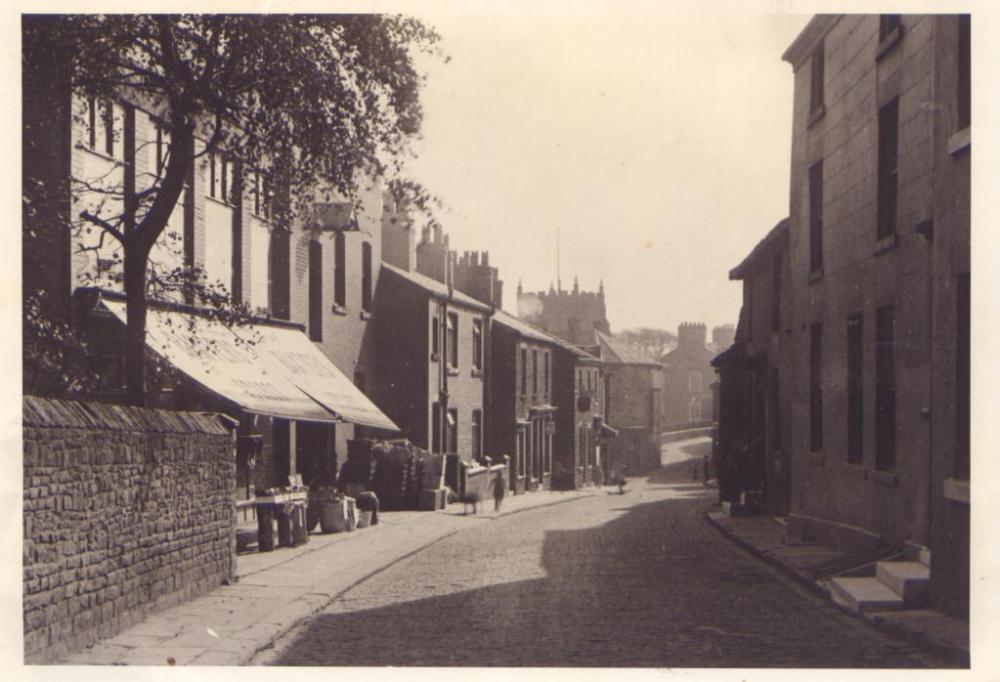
<point x="71" y="414"/>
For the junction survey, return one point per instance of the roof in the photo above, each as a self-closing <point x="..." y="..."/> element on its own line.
<point x="622" y="352"/>
<point x="777" y="235"/>
<point x="532" y="332"/>
<point x="266" y="370"/>
<point x="436" y="288"/>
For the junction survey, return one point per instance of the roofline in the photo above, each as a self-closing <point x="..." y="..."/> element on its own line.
<point x="776" y="233"/>
<point x="466" y="300"/>
<point x="803" y="44"/>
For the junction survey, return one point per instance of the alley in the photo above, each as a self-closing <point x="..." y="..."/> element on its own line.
<point x="610" y="580"/>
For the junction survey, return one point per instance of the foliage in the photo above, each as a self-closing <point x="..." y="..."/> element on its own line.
<point x="55" y="358"/>
<point x="651" y="341"/>
<point x="316" y="103"/>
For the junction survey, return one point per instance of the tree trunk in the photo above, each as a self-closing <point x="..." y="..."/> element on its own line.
<point x="135" y="328"/>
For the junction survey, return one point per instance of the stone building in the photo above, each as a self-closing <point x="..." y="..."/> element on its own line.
<point x="581" y="430"/>
<point x="876" y="370"/>
<point x="310" y="282"/>
<point x="633" y="396"/>
<point x="571" y="315"/>
<point x="688" y="375"/>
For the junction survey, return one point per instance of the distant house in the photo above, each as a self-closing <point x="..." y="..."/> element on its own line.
<point x="633" y="390"/>
<point x="688" y="375"/>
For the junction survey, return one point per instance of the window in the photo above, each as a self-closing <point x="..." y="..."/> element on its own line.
<point x="885" y="389"/>
<point x="477" y="435"/>
<point x="962" y="385"/>
<point x="477" y="343"/>
<point x="452" y="430"/>
<point x="340" y="270"/>
<point x="315" y="290"/>
<point x="887" y="24"/>
<point x="855" y="391"/>
<point x="888" y="167"/>
<point x="262" y="196"/>
<point x="816" y="387"/>
<point x="453" y="339"/>
<point x="816" y="97"/>
<point x="435" y="337"/>
<point x="278" y="269"/>
<point x="534" y="371"/>
<point x="436" y="427"/>
<point x="220" y="177"/>
<point x="366" y="276"/>
<point x="694" y="381"/>
<point x="104" y="123"/>
<point x="524" y="371"/>
<point x="776" y="292"/>
<point x="964" y="71"/>
<point x="816" y="216"/>
<point x="522" y="446"/>
<point x="545" y="378"/>
<point x="774" y="410"/>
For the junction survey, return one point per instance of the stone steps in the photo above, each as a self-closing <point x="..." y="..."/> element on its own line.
<point x="863" y="594"/>
<point x="909" y="579"/>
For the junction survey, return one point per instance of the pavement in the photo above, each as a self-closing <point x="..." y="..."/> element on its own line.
<point x="765" y="537"/>
<point x="276" y="590"/>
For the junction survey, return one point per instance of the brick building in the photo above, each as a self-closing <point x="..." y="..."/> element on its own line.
<point x="296" y="408"/>
<point x="633" y="395"/>
<point x="432" y="344"/>
<point x="578" y="394"/>
<point x="752" y="455"/>
<point x="571" y="315"/>
<point x="877" y="367"/>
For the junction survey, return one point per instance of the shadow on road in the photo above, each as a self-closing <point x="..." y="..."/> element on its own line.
<point x="651" y="587"/>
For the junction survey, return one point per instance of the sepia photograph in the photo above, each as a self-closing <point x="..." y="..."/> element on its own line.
<point x="553" y="336"/>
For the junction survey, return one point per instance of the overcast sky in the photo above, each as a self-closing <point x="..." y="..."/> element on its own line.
<point x="658" y="146"/>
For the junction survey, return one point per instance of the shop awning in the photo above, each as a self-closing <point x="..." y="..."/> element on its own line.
<point x="266" y="370"/>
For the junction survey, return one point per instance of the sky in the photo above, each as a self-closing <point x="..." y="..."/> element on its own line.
<point x="657" y="146"/>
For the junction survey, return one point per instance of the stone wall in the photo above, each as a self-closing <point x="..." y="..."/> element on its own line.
<point x="125" y="510"/>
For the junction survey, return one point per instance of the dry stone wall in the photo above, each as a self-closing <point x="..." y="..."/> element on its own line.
<point x="125" y="510"/>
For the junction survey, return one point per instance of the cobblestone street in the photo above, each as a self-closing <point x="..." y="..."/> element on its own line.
<point x="611" y="580"/>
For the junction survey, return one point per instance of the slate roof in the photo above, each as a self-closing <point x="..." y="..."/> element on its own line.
<point x="532" y="332"/>
<point x="622" y="352"/>
<point x="436" y="288"/>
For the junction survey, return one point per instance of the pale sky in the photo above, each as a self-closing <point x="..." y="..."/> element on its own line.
<point x="659" y="146"/>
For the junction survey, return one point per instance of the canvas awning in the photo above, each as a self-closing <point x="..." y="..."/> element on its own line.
<point x="266" y="370"/>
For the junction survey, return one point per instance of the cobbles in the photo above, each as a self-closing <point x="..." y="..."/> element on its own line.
<point x="635" y="580"/>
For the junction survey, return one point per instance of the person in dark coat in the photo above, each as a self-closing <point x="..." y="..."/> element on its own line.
<point x="499" y="490"/>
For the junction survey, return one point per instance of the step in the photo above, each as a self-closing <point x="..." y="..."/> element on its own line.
<point x="909" y="579"/>
<point x="864" y="594"/>
<point x="915" y="552"/>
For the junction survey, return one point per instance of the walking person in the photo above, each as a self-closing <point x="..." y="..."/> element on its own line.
<point x="499" y="490"/>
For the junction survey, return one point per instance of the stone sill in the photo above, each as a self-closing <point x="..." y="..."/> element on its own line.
<point x="101" y="155"/>
<point x="476" y="373"/>
<point x="889" y="42"/>
<point x="885" y="244"/>
<point x="886" y="478"/>
<point x="816" y="275"/>
<point x="453" y="371"/>
<point x="855" y="470"/>
<point x="366" y="315"/>
<point x="956" y="490"/>
<point x="338" y="309"/>
<point x="960" y="142"/>
<point x="220" y="202"/>
<point x="816" y="115"/>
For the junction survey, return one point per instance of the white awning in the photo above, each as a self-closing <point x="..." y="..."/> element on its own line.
<point x="267" y="370"/>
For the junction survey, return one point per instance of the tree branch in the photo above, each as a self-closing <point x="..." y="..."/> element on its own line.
<point x="104" y="225"/>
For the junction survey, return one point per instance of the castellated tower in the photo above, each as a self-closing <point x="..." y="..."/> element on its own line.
<point x="571" y="315"/>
